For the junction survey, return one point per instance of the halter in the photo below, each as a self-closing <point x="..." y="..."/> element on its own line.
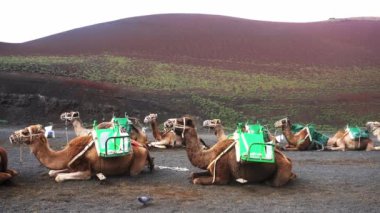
<point x="19" y="137"/>
<point x="68" y="116"/>
<point x="175" y="125"/>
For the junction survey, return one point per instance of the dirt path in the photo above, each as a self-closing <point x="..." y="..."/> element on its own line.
<point x="327" y="182"/>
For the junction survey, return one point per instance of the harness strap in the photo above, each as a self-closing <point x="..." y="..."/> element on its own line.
<point x="81" y="153"/>
<point x="218" y="157"/>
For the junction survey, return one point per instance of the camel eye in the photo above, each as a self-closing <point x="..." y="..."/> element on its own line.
<point x="25" y="132"/>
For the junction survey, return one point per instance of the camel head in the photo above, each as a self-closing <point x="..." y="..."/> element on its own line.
<point x="179" y="124"/>
<point x="212" y="123"/>
<point x="282" y="123"/>
<point x="27" y="135"/>
<point x="372" y="125"/>
<point x="69" y="116"/>
<point x="149" y="118"/>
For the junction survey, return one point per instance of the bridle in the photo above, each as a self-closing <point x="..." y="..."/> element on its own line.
<point x="69" y="116"/>
<point x="172" y="123"/>
<point x="19" y="137"/>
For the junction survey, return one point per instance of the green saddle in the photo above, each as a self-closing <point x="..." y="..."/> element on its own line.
<point x="251" y="144"/>
<point x="316" y="136"/>
<point x="356" y="132"/>
<point x="114" y="141"/>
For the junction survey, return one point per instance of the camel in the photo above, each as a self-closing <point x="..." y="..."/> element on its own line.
<point x="342" y="141"/>
<point x="164" y="139"/>
<point x="221" y="163"/>
<point x="79" y="160"/>
<point x="299" y="141"/>
<point x="374" y="128"/>
<point x="73" y="118"/>
<point x="5" y="173"/>
<point x="216" y="124"/>
<point x="137" y="134"/>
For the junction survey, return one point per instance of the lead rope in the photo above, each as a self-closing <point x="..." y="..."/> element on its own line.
<point x="67" y="137"/>
<point x="217" y="158"/>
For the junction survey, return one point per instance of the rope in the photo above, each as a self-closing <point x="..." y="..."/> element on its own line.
<point x="81" y="153"/>
<point x="218" y="157"/>
<point x="67" y="137"/>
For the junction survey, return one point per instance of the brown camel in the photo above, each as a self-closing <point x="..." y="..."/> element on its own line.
<point x="220" y="160"/>
<point x="79" y="159"/>
<point x="374" y="128"/>
<point x="164" y="139"/>
<point x="218" y="128"/>
<point x="342" y="141"/>
<point x="5" y="173"/>
<point x="295" y="142"/>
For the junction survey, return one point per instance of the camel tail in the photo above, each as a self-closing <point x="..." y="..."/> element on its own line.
<point x="4" y="160"/>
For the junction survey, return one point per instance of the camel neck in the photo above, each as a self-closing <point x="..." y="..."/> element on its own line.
<point x="3" y="160"/>
<point x="138" y="135"/>
<point x="156" y="131"/>
<point x="78" y="126"/>
<point x="197" y="156"/>
<point x="55" y="160"/>
<point x="287" y="133"/>
<point x="220" y="133"/>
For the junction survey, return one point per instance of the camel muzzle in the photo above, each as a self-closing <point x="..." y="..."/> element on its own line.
<point x="14" y="139"/>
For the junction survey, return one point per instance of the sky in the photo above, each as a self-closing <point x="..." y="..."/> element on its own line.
<point x="25" y="20"/>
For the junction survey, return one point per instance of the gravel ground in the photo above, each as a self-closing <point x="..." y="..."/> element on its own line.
<point x="327" y="182"/>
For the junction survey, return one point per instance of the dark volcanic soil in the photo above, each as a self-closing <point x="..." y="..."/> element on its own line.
<point x="34" y="98"/>
<point x="327" y="182"/>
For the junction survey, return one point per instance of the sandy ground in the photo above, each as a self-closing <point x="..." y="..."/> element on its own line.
<point x="327" y="182"/>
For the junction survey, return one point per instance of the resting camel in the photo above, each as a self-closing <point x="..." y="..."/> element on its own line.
<point x="374" y="128"/>
<point x="216" y="124"/>
<point x="164" y="139"/>
<point x="79" y="159"/>
<point x="299" y="141"/>
<point x="342" y="141"/>
<point x="136" y="133"/>
<point x="73" y="118"/>
<point x="221" y="164"/>
<point x="5" y="173"/>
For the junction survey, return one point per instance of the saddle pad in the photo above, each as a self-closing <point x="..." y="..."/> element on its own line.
<point x="316" y="137"/>
<point x="356" y="132"/>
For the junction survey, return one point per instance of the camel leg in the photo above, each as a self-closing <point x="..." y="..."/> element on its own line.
<point x="371" y="146"/>
<point x="79" y="175"/>
<point x="4" y="176"/>
<point x="284" y="171"/>
<point x="139" y="160"/>
<point x="207" y="180"/>
<point x="12" y="172"/>
<point x="291" y="149"/>
<point x="199" y="174"/>
<point x="54" y="173"/>
<point x="159" y="144"/>
<point x="150" y="162"/>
